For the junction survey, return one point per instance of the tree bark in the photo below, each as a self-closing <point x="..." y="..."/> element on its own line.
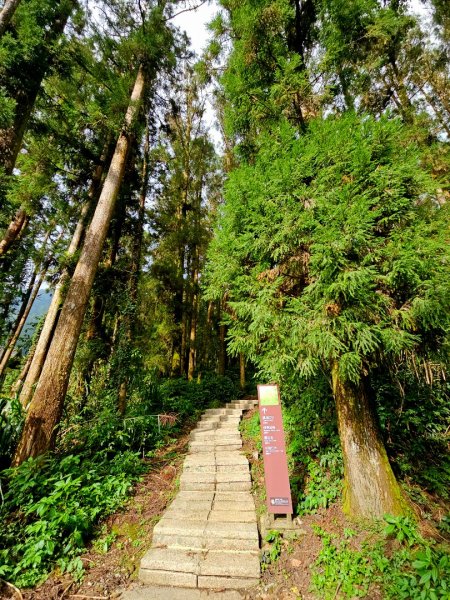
<point x="370" y="487"/>
<point x="51" y="318"/>
<point x="241" y="371"/>
<point x="135" y="264"/>
<point x="208" y="335"/>
<point x="25" y="96"/>
<point x="138" y="239"/>
<point x="46" y="406"/>
<point x="6" y="14"/>
<point x="184" y="326"/>
<point x="194" y="319"/>
<point x="15" y="228"/>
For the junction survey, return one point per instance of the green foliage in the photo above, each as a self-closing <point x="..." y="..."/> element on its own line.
<point x="415" y="417"/>
<point x="350" y="211"/>
<point x="52" y="506"/>
<point x="414" y="569"/>
<point x="275" y="539"/>
<point x="189" y="398"/>
<point x="323" y="482"/>
<point x="251" y="428"/>
<point x="340" y="569"/>
<point x="11" y="421"/>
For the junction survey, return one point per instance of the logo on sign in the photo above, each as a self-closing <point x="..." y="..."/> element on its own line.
<point x="279" y="501"/>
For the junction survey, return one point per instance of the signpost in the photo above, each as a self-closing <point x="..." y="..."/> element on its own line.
<point x="274" y="451"/>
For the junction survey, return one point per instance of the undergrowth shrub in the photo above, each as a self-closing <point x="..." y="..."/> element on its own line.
<point x="108" y="430"/>
<point x="189" y="398"/>
<point x="11" y="422"/>
<point x="323" y="481"/>
<point x="51" y="506"/>
<point x="415" y="417"/>
<point x="313" y="444"/>
<point x="399" y="562"/>
<point x="250" y="428"/>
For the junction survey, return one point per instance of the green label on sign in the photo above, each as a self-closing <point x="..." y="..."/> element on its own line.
<point x="268" y="395"/>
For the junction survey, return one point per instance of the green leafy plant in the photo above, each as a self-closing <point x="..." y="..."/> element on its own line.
<point x="413" y="569"/>
<point x="323" y="482"/>
<point x="52" y="506"/>
<point x="250" y="428"/>
<point x="340" y="569"/>
<point x="104" y="543"/>
<point x="271" y="555"/>
<point x="11" y="420"/>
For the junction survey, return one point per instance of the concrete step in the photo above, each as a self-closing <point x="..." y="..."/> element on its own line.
<point x="217" y="425"/>
<point x="214" y="569"/>
<point x="217" y="434"/>
<point x="223" y="411"/>
<point x="207" y="446"/>
<point x="158" y="592"/>
<point x="243" y="404"/>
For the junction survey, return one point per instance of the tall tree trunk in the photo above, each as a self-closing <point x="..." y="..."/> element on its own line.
<point x="370" y="487"/>
<point x="46" y="406"/>
<point x="18" y="330"/>
<point x="6" y="14"/>
<point x="136" y="264"/>
<point x="208" y="335"/>
<point x="11" y="138"/>
<point x="184" y="326"/>
<point x="138" y="238"/>
<point x="51" y="318"/>
<point x="194" y="318"/>
<point x="242" y="371"/>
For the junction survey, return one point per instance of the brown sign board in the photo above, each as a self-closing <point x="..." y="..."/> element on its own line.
<point x="276" y="475"/>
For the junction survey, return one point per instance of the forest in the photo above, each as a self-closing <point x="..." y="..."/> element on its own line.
<point x="153" y="266"/>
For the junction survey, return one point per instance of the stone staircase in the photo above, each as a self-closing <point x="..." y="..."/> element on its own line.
<point x="208" y="537"/>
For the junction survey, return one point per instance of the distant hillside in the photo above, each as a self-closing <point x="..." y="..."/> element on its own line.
<point x="40" y="307"/>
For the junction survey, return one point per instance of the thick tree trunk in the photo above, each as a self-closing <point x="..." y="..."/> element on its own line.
<point x="51" y="318"/>
<point x="370" y="487"/>
<point x="46" y="406"/>
<point x="20" y="324"/>
<point x="6" y="14"/>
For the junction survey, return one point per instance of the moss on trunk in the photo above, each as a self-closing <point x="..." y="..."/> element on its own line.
<point x="370" y="487"/>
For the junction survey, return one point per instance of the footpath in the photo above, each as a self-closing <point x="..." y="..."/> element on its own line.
<point x="206" y="545"/>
